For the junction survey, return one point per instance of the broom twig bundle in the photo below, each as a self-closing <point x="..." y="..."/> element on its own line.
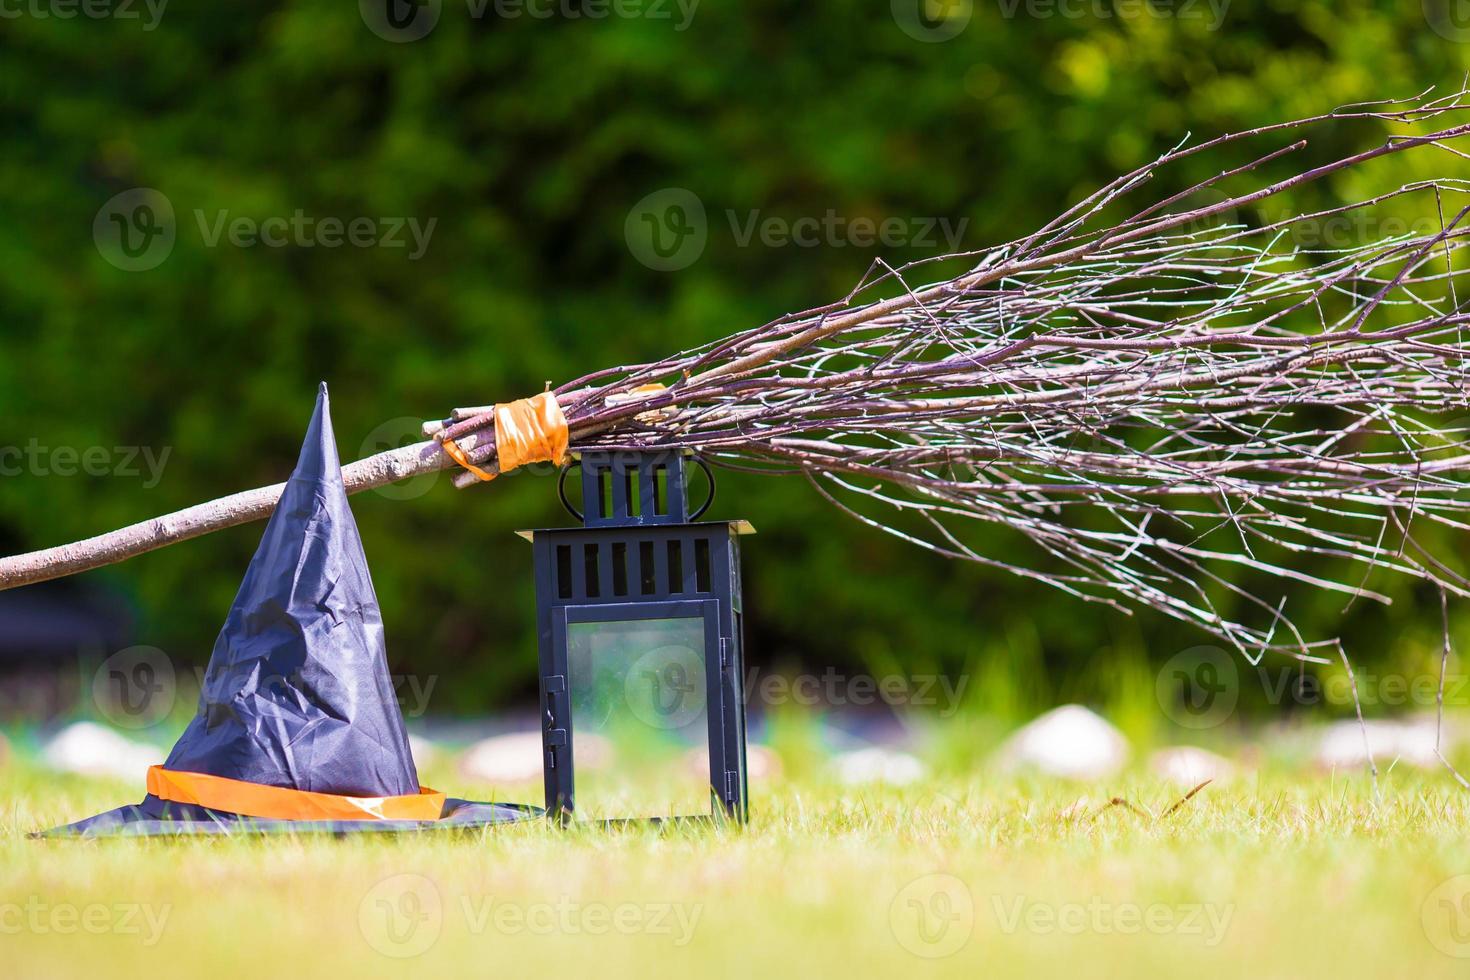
<point x="1162" y="397"/>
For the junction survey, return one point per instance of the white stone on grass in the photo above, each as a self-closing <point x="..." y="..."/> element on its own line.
<point x="89" y="749"/>
<point x="516" y="757"/>
<point x="761" y="763"/>
<point x="1069" y="741"/>
<point x="1188" y="766"/>
<point x="1410" y="742"/>
<point x="425" y="753"/>
<point x="878" y="765"/>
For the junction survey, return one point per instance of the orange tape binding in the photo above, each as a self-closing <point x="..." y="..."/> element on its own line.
<point x="452" y="450"/>
<point x="280" y="803"/>
<point x="528" y="430"/>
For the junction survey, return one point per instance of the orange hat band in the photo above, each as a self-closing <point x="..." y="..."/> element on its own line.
<point x="279" y="803"/>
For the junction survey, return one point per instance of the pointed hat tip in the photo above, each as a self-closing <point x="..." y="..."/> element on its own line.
<point x="318" y="459"/>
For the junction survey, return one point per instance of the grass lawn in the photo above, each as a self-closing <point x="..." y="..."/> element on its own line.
<point x="1273" y="875"/>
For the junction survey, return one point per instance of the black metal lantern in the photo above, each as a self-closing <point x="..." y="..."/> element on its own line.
<point x="639" y="625"/>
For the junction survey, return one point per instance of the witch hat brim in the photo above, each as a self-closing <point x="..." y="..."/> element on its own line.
<point x="299" y="726"/>
<point x="165" y="818"/>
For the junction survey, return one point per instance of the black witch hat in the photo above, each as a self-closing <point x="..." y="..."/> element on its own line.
<point x="298" y="725"/>
<point x="297" y="693"/>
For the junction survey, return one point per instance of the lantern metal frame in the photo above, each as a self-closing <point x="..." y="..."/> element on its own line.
<point x="638" y="556"/>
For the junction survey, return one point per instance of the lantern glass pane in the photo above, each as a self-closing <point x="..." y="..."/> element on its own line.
<point x="640" y="718"/>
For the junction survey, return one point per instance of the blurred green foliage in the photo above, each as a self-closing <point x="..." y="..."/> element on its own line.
<point x="529" y="140"/>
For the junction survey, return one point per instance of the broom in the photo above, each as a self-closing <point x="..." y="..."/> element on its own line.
<point x="1159" y="397"/>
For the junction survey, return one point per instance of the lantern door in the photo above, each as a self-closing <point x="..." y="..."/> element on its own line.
<point x="635" y="712"/>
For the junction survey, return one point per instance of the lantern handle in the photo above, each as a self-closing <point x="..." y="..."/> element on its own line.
<point x="709" y="475"/>
<point x="561" y="490"/>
